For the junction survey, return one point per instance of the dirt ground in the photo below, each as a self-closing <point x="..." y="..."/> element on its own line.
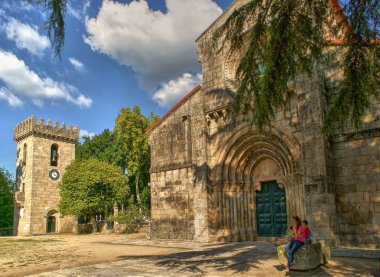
<point x="24" y="256"/>
<point x="134" y="255"/>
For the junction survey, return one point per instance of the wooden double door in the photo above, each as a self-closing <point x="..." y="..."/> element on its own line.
<point x="271" y="210"/>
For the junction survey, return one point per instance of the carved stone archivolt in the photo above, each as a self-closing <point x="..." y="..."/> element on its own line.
<point x="230" y="67"/>
<point x="246" y="161"/>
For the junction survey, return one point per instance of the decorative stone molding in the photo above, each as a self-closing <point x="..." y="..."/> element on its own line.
<point x="218" y="114"/>
<point x="362" y="134"/>
<point x="257" y="186"/>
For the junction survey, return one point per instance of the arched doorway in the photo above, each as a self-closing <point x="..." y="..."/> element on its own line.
<point x="51" y="221"/>
<point x="249" y="187"/>
<point x="51" y="224"/>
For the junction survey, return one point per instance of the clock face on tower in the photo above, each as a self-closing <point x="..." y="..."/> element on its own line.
<point x="54" y="174"/>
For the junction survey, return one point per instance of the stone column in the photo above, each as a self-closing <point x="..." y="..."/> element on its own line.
<point x="200" y="166"/>
<point x="320" y="209"/>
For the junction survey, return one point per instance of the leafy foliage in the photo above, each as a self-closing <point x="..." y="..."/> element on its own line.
<point x="6" y="198"/>
<point x="130" y="127"/>
<point x="133" y="217"/>
<point x="360" y="64"/>
<point x="103" y="147"/>
<point x="90" y="187"/>
<point x="287" y="40"/>
<point x="55" y="24"/>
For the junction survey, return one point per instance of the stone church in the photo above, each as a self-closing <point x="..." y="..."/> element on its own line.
<point x="43" y="152"/>
<point x="216" y="178"/>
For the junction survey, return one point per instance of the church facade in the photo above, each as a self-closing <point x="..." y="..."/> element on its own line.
<point x="216" y="178"/>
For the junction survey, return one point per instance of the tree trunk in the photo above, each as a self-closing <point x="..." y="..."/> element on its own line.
<point x="94" y="225"/>
<point x="138" y="191"/>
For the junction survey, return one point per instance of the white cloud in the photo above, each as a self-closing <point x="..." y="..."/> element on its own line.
<point x="20" y="6"/>
<point x="9" y="97"/>
<point x="26" y="36"/>
<point x="85" y="133"/>
<point x="158" y="46"/>
<point x="73" y="12"/>
<point x="25" y="83"/>
<point x="79" y="66"/>
<point x="83" y="101"/>
<point x="79" y="13"/>
<point x="171" y="92"/>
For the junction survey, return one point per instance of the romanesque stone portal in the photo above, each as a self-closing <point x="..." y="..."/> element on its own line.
<point x="43" y="152"/>
<point x="216" y="178"/>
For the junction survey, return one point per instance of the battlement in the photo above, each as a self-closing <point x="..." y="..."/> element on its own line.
<point x="30" y="127"/>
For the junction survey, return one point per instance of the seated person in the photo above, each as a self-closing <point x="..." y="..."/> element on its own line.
<point x="308" y="234"/>
<point x="298" y="240"/>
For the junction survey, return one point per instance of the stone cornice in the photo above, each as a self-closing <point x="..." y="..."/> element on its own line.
<point x="361" y="134"/>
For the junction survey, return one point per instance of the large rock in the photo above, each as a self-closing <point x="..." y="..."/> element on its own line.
<point x="307" y="257"/>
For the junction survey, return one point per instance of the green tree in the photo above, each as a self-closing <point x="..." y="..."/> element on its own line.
<point x="130" y="127"/>
<point x="91" y="187"/>
<point x="103" y="147"/>
<point x="287" y="40"/>
<point x="6" y="198"/>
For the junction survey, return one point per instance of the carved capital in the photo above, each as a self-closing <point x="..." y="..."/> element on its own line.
<point x="217" y="114"/>
<point x="257" y="186"/>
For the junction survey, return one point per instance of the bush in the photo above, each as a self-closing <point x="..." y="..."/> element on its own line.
<point x="132" y="218"/>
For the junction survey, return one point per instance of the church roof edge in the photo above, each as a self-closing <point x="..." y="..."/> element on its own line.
<point x="175" y="107"/>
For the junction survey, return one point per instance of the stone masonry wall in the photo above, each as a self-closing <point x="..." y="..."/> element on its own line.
<point x="45" y="192"/>
<point x="356" y="171"/>
<point x="357" y="180"/>
<point x="176" y="197"/>
<point x="24" y="195"/>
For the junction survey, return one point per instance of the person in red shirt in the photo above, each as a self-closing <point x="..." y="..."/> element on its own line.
<point x="298" y="234"/>
<point x="308" y="234"/>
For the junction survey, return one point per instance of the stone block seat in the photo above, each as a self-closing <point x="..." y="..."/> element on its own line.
<point x="307" y="257"/>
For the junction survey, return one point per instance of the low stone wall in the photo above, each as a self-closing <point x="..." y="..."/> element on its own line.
<point x="86" y="228"/>
<point x="307" y="257"/>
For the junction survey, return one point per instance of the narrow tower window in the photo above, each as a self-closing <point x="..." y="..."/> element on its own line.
<point x="24" y="154"/>
<point x="54" y="155"/>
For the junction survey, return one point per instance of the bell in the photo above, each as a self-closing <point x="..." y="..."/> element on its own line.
<point x="54" y="157"/>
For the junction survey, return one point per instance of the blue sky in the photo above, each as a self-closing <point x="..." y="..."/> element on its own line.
<point x="116" y="54"/>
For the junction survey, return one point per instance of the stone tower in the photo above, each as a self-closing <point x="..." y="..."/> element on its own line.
<point x="43" y="152"/>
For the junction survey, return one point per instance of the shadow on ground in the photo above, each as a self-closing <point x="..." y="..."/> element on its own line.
<point x="235" y="257"/>
<point x="258" y="258"/>
<point x="231" y="258"/>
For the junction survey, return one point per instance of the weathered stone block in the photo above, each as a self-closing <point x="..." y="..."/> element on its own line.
<point x="307" y="257"/>
<point x="375" y="197"/>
